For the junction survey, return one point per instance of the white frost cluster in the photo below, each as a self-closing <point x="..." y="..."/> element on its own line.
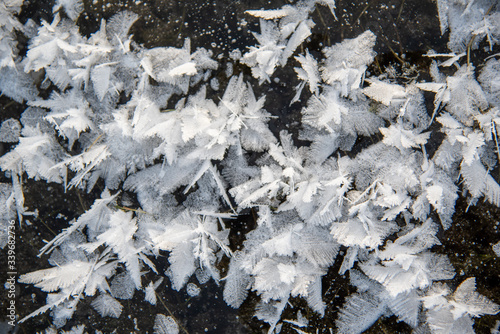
<point x="144" y="122"/>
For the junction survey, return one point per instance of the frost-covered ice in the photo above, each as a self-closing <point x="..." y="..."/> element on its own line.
<point x="147" y="122"/>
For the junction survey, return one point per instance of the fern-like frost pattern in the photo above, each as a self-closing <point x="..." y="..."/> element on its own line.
<point x="199" y="166"/>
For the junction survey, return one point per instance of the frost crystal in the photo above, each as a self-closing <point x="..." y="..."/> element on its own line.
<point x="205" y="176"/>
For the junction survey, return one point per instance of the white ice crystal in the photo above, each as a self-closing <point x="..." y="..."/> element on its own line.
<point x="182" y="156"/>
